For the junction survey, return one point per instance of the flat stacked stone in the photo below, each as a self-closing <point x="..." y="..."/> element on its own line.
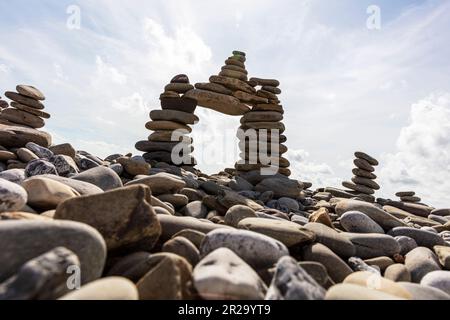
<point x="26" y="108"/>
<point x="170" y="125"/>
<point x="408" y="197"/>
<point x="363" y="182"/>
<point x="265" y="116"/>
<point x="228" y="92"/>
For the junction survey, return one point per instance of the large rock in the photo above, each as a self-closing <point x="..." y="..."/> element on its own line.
<point x="421" y="261"/>
<point x="168" y="277"/>
<point x="222" y="103"/>
<point x="336" y="267"/>
<point x="42" y="278"/>
<point x="381" y="217"/>
<point x="373" y="245"/>
<point x="332" y="239"/>
<point x="124" y="216"/>
<point x="104" y="178"/>
<point x="161" y="183"/>
<point x="24" y="240"/>
<point x="258" y="250"/>
<point x="18" y="136"/>
<point x="225" y="276"/>
<point x="357" y="222"/>
<point x="108" y="289"/>
<point x="289" y="233"/>
<point x="292" y="282"/>
<point x="12" y="196"/>
<point x="423" y="238"/>
<point x="46" y="194"/>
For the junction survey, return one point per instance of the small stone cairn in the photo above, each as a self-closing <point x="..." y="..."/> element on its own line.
<point x="408" y="197"/>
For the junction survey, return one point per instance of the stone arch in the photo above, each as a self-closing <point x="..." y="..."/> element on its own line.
<point x="231" y="92"/>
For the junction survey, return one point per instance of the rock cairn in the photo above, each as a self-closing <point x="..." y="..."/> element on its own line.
<point x="26" y="108"/>
<point x="171" y="125"/>
<point x="228" y="92"/>
<point x="408" y="197"/>
<point x="363" y="183"/>
<point x="265" y="118"/>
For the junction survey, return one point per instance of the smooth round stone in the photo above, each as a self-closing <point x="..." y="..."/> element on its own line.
<point x="179" y="87"/>
<point x="287" y="232"/>
<point x="371" y="245"/>
<point x="134" y="166"/>
<point x="422" y="237"/>
<point x="381" y="263"/>
<point x="46" y="194"/>
<point x="109" y="212"/>
<point x="22" y="117"/>
<point x="317" y="271"/>
<point x="364" y="174"/>
<point x="13" y="175"/>
<point x="169" y="136"/>
<point x="271" y="89"/>
<point x="332" y="239"/>
<point x="281" y="187"/>
<point x="240" y="184"/>
<point x="420" y="292"/>
<point x="237" y="213"/>
<point x="161" y="183"/>
<point x="357" y="222"/>
<point x="264" y="125"/>
<point x="30" y="91"/>
<point x="397" y="272"/>
<point x="193" y="194"/>
<point x="381" y="217"/>
<point x="234" y="62"/>
<point x="18" y="136"/>
<point x="38" y="237"/>
<point x="437" y="279"/>
<point x="366" y="182"/>
<point x="196" y="237"/>
<point x="420" y="262"/>
<point x="287" y="204"/>
<point x="172" y="225"/>
<point x="356" y="292"/>
<point x="224" y="275"/>
<point x="111" y="289"/>
<point x="406" y="244"/>
<point x="233" y="74"/>
<point x="405" y="193"/>
<point x="292" y="282"/>
<point x="196" y="209"/>
<point x="443" y="254"/>
<point x="234" y="68"/>
<point x="358" y="188"/>
<point x="361" y="155"/>
<point x="33" y="111"/>
<point x="180" y="78"/>
<point x="410" y="199"/>
<point x="441" y="212"/>
<point x="177" y="103"/>
<point x="377" y="282"/>
<point x="22" y="99"/>
<point x="167" y="125"/>
<point x="258" y="250"/>
<point x="364" y="165"/>
<point x="7" y="155"/>
<point x="174" y="115"/>
<point x="64" y="149"/>
<point x="336" y="267"/>
<point x="184" y="248"/>
<point x="83" y="188"/>
<point x="26" y="155"/>
<point x="13" y="197"/>
<point x="102" y="177"/>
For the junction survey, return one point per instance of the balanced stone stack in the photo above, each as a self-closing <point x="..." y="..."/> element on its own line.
<point x="408" y="197"/>
<point x="363" y="183"/>
<point x="26" y="108"/>
<point x="265" y="117"/>
<point x="229" y="91"/>
<point x="171" y="126"/>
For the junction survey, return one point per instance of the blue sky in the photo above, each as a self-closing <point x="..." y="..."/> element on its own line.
<point x="345" y="87"/>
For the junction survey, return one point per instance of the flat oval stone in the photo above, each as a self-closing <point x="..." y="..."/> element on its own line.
<point x="364" y="165"/>
<point x="22" y="117"/>
<point x="332" y="239"/>
<point x="355" y="292"/>
<point x="258" y="250"/>
<point x="361" y="155"/>
<point x="13" y="197"/>
<point x="371" y="245"/>
<point x="358" y="187"/>
<point x="366" y="182"/>
<point x="161" y="183"/>
<point x="421" y="261"/>
<point x="180" y="78"/>
<point x="111" y="288"/>
<point x="441" y="212"/>
<point x="39" y="237"/>
<point x="30" y="91"/>
<point x="102" y="177"/>
<point x="83" y="188"/>
<point x="422" y="237"/>
<point x="19" y="136"/>
<point x="224" y="275"/>
<point x="173" y="115"/>
<point x="289" y="233"/>
<point x="33" y="111"/>
<point x="13" y="175"/>
<point x="357" y="222"/>
<point x="364" y="174"/>
<point x="167" y="125"/>
<point x="22" y="99"/>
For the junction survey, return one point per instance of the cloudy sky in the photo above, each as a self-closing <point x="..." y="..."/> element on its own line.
<point x="346" y="86"/>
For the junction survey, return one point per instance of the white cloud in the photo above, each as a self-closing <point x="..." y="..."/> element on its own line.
<point x="422" y="159"/>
